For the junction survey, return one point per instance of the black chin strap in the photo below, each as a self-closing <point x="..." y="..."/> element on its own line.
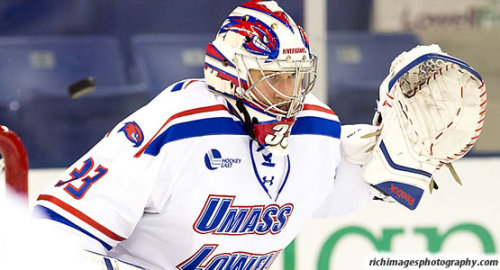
<point x="247" y="121"/>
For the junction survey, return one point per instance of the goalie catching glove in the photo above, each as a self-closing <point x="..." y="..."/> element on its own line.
<point x="430" y="113"/>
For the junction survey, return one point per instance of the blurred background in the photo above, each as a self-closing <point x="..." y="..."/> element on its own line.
<point x="133" y="49"/>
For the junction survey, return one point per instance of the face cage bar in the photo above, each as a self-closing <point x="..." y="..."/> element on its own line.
<point x="295" y="102"/>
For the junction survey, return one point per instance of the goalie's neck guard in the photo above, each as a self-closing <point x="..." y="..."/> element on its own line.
<point x="269" y="131"/>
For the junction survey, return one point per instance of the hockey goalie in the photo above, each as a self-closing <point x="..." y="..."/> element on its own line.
<point x="430" y="113"/>
<point x="223" y="172"/>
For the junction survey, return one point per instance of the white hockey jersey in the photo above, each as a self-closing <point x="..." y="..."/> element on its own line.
<point x="180" y="185"/>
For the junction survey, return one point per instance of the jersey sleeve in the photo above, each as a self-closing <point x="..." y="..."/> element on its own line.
<point x="350" y="192"/>
<point x="105" y="193"/>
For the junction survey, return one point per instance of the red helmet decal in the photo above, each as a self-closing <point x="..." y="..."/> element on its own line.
<point x="262" y="40"/>
<point x="279" y="15"/>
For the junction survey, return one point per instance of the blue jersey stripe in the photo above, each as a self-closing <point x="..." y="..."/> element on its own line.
<point x="197" y="128"/>
<point x="310" y="125"/>
<point x="177" y="87"/>
<point x="56" y="217"/>
<point x="227" y="126"/>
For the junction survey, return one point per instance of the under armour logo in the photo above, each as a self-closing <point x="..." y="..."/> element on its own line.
<point x="270" y="181"/>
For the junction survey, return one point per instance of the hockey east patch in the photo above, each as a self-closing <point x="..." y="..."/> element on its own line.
<point x="220" y="216"/>
<point x="214" y="160"/>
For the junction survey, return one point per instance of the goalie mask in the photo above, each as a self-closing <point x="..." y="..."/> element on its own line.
<point x="260" y="61"/>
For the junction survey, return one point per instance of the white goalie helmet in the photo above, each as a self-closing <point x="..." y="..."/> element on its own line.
<point x="261" y="59"/>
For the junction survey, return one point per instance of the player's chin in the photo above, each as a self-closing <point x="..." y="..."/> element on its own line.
<point x="284" y="107"/>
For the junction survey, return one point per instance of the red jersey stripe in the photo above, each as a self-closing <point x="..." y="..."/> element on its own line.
<point x="181" y="114"/>
<point x="70" y="209"/>
<point x="318" y="108"/>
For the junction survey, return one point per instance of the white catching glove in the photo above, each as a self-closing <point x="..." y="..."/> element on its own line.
<point x="431" y="111"/>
